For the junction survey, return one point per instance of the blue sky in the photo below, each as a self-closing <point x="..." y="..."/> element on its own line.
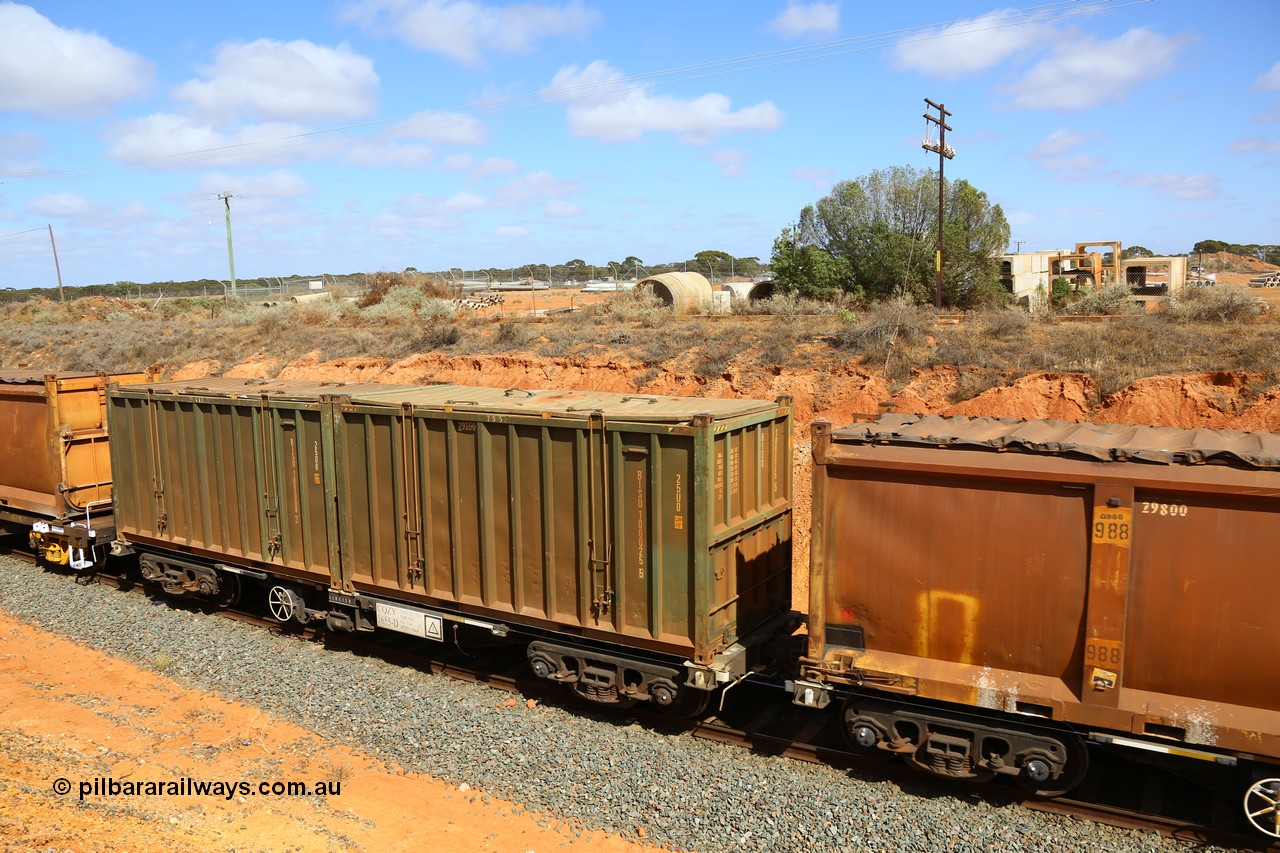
<point x="379" y="134"/>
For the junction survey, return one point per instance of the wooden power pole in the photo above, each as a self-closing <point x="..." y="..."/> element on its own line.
<point x="945" y="153"/>
<point x="57" y="267"/>
<point x="231" y="255"/>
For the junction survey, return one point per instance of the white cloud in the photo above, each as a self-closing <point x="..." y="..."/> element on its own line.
<point x="513" y="231"/>
<point x="495" y="166"/>
<point x="178" y="140"/>
<point x="1055" y="152"/>
<point x="1200" y="187"/>
<point x="969" y="46"/>
<point x="19" y="152"/>
<point x="477" y="167"/>
<point x="277" y="184"/>
<point x="536" y="187"/>
<point x="1058" y="143"/>
<point x="50" y="71"/>
<point x="465" y="31"/>
<point x="457" y="162"/>
<point x="800" y="19"/>
<point x="732" y="163"/>
<point x="820" y="178"/>
<point x="1255" y="143"/>
<point x="169" y="140"/>
<point x="621" y="114"/>
<point x="64" y="205"/>
<point x="376" y="154"/>
<point x="267" y="80"/>
<point x="462" y="202"/>
<point x="1269" y="81"/>
<point x="135" y="212"/>
<point x="442" y="128"/>
<point x="560" y="209"/>
<point x="277" y="86"/>
<point x="440" y="210"/>
<point x="1084" y="71"/>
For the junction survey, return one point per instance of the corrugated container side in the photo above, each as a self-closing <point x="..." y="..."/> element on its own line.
<point x="29" y="474"/>
<point x="224" y="476"/>
<point x="1203" y="596"/>
<point x="54" y="457"/>
<point x="592" y="514"/>
<point x="981" y="572"/>
<point x="1113" y="580"/>
<point x="569" y="522"/>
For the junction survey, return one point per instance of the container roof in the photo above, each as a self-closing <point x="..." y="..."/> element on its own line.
<point x="463" y="398"/>
<point x="15" y="376"/>
<point x="1103" y="442"/>
<point x="520" y="401"/>
<point x="219" y="386"/>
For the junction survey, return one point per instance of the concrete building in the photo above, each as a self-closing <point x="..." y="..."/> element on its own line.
<point x="1024" y="274"/>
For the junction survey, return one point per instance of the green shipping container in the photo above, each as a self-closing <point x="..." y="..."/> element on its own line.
<point x="656" y="523"/>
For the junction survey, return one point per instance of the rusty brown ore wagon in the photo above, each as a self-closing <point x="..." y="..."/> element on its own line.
<point x="1044" y="584"/>
<point x="642" y="542"/>
<point x="55" y="470"/>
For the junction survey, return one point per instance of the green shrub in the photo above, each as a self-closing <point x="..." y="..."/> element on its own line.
<point x="408" y="302"/>
<point x="892" y="335"/>
<point x="511" y="335"/>
<point x="1214" y="303"/>
<point x="639" y="305"/>
<point x="437" y="337"/>
<point x="1112" y="299"/>
<point x="1061" y="292"/>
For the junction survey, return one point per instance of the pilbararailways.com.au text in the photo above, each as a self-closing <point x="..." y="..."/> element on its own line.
<point x="188" y="787"/>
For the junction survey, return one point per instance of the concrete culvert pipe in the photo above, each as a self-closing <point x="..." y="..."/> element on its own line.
<point x="310" y="297"/>
<point x="750" y="291"/>
<point x="683" y="291"/>
<point x="761" y="290"/>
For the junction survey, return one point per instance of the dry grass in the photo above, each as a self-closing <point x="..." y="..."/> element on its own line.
<point x="892" y="336"/>
<point x="1209" y="329"/>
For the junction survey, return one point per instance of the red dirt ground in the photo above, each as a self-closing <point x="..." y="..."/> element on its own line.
<point x="68" y="712"/>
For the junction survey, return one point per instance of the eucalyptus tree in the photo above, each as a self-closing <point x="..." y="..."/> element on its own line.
<point x="875" y="237"/>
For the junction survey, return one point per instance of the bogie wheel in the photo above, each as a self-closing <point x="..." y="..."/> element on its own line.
<point x="286" y="605"/>
<point x="689" y="703"/>
<point x="1262" y="806"/>
<point x="229" y="591"/>
<point x="1036" y="781"/>
<point x="861" y="737"/>
<point x="663" y="693"/>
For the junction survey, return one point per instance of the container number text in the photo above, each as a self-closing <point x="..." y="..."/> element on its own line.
<point x="1102" y="653"/>
<point x="1156" y="508"/>
<point x="1111" y="525"/>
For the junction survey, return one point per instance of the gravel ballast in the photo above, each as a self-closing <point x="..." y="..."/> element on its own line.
<point x="686" y="793"/>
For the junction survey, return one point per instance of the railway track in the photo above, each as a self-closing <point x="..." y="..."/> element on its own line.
<point x="760" y="718"/>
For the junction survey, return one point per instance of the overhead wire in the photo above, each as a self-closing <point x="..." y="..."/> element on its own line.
<point x="1044" y="13"/>
<point x="16" y="233"/>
